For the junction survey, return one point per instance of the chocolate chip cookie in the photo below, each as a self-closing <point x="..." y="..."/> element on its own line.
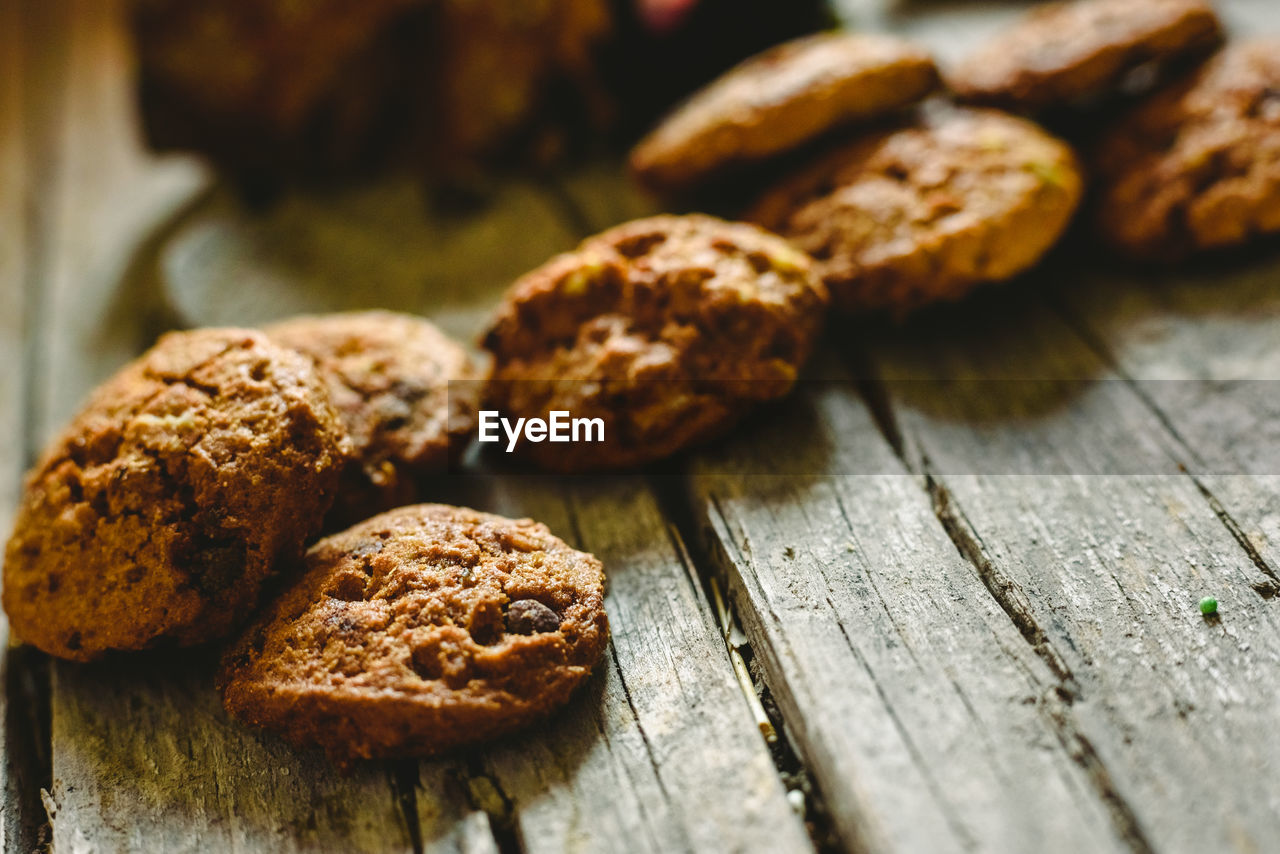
<point x="420" y="630"/>
<point x="665" y="329"/>
<point x="926" y="211"/>
<point x="157" y="515"/>
<point x="406" y="393"/>
<point x="1062" y="52"/>
<point x="780" y="99"/>
<point x="1197" y="166"/>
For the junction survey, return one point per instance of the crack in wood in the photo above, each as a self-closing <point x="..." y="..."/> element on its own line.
<point x="403" y="778"/>
<point x="1267" y="589"/>
<point x="674" y="495"/>
<point x="730" y="631"/>
<point x="1007" y="593"/>
<point x="485" y="794"/>
<point x="28" y="761"/>
<point x="1057" y="702"/>
<point x="635" y="714"/>
<point x="1079" y="748"/>
<point x="1010" y="597"/>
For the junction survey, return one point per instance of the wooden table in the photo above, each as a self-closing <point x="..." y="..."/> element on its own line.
<point x="943" y="599"/>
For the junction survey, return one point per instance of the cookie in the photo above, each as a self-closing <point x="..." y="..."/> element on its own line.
<point x="406" y="393"/>
<point x="273" y="86"/>
<point x="927" y="211"/>
<point x="423" y="629"/>
<point x="666" y="329"/>
<point x="1064" y="52"/>
<point x="1197" y="166"/>
<point x="278" y="89"/>
<point x="494" y="63"/>
<point x="781" y="99"/>
<point x="157" y="515"/>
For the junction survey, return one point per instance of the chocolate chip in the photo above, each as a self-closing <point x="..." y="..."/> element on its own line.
<point x="529" y="617"/>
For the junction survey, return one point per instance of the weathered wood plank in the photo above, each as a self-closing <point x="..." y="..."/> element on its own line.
<point x="1199" y="347"/>
<point x="660" y="752"/>
<point x="14" y="264"/>
<point x="145" y="758"/>
<point x="372" y="247"/>
<point x="918" y="708"/>
<point x="1100" y="556"/>
<point x="21" y="754"/>
<point x="103" y="195"/>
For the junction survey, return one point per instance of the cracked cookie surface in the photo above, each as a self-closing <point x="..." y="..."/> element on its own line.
<point x="927" y="211"/>
<point x="1197" y="166"/>
<point x="1062" y="52"/>
<point x="667" y="329"/>
<point x="419" y="630"/>
<point x="158" y="513"/>
<point x="406" y="393"/>
<point x="781" y="99"/>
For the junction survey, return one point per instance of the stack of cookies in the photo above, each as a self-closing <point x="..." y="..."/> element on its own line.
<point x="187" y="494"/>
<point x="191" y="484"/>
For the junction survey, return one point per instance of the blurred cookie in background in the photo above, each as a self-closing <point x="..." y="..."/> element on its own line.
<point x="1197" y="166"/>
<point x="274" y="91"/>
<point x="495" y="68"/>
<point x="779" y="100"/>
<point x="269" y="86"/>
<point x="1061" y="53"/>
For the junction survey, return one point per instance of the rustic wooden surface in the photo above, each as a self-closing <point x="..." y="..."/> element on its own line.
<point x="959" y="567"/>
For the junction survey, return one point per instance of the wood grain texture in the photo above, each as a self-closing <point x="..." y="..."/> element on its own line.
<point x="99" y="196"/>
<point x="146" y="759"/>
<point x="1199" y="348"/>
<point x="14" y="263"/>
<point x="660" y="751"/>
<point x="20" y="749"/>
<point x="371" y="247"/>
<point x="918" y="708"/>
<point x="1100" y="557"/>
